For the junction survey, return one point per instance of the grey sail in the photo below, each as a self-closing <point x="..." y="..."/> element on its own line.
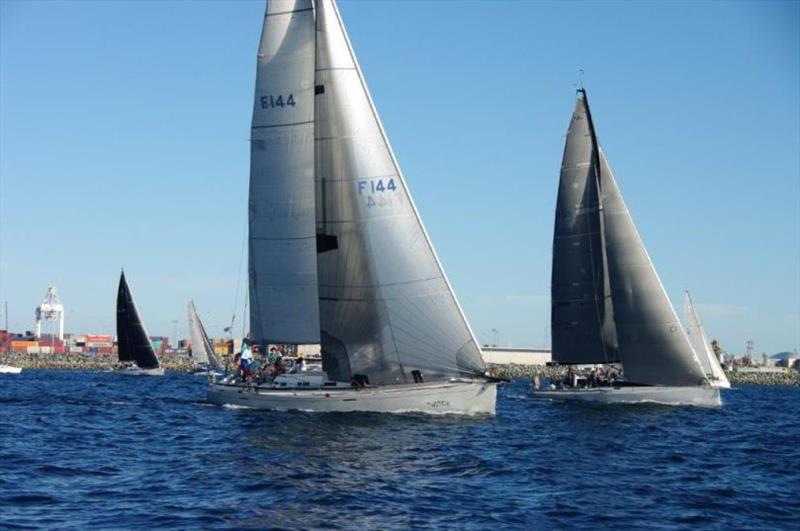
<point x="386" y="307"/>
<point x="202" y="349"/>
<point x="581" y="312"/>
<point x="652" y="343"/>
<point x="282" y="248"/>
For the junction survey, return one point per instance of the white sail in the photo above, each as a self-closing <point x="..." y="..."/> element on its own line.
<point x="282" y="251"/>
<point x="386" y="307"/>
<point x="701" y="345"/>
<point x="202" y="350"/>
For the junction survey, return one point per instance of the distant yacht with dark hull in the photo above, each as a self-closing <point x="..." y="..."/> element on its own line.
<point x="608" y="304"/>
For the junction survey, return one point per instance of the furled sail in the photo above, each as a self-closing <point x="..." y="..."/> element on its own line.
<point x="282" y="247"/>
<point x="202" y="350"/>
<point x="701" y="345"/>
<point x="133" y="343"/>
<point x="386" y="307"/>
<point x="581" y="313"/>
<point x="653" y="345"/>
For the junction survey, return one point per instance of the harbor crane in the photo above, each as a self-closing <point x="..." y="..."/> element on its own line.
<point x="51" y="309"/>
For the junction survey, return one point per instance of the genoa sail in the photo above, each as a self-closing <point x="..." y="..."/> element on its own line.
<point x="581" y="312"/>
<point x="701" y="345"/>
<point x="202" y="350"/>
<point x="282" y="240"/>
<point x="133" y="343"/>
<point x="387" y="311"/>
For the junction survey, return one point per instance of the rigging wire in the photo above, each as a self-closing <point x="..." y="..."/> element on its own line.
<point x="229" y="329"/>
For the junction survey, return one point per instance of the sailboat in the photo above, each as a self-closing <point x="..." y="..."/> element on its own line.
<point x="608" y="304"/>
<point x="702" y="347"/>
<point x="206" y="362"/>
<point x="338" y="254"/>
<point x="133" y="344"/>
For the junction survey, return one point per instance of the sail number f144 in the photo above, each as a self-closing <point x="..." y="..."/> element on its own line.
<point x="274" y="101"/>
<point x="374" y="191"/>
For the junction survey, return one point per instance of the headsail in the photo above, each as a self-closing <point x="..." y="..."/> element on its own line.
<point x="386" y="307"/>
<point x="652" y="343"/>
<point x="202" y="350"/>
<point x="701" y="345"/>
<point x="581" y="312"/>
<point x="133" y="343"/>
<point x="282" y="248"/>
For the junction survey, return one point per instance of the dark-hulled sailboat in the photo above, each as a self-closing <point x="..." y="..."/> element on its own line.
<point x="338" y="253"/>
<point x="608" y="305"/>
<point x="133" y="344"/>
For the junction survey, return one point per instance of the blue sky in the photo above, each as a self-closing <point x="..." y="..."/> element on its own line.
<point x="124" y="142"/>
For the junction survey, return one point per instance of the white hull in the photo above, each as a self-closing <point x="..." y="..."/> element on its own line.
<point x="456" y="397"/>
<point x="136" y="371"/>
<point x="671" y="396"/>
<point x="8" y="369"/>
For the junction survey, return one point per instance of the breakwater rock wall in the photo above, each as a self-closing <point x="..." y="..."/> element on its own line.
<point x="81" y="362"/>
<point x="789" y="378"/>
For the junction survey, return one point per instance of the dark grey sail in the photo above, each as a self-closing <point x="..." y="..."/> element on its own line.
<point x="133" y="343"/>
<point x="386" y="308"/>
<point x="282" y="242"/>
<point x="653" y="344"/>
<point x="581" y="315"/>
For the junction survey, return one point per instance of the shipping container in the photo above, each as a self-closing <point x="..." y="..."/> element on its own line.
<point x="24" y="344"/>
<point x="32" y="350"/>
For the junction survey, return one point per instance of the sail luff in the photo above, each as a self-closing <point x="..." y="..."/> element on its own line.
<point x="386" y="307"/>
<point x="281" y="241"/>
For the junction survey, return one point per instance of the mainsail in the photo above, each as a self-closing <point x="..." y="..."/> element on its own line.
<point x="282" y="246"/>
<point x="386" y="307"/>
<point x="701" y="345"/>
<point x="202" y="350"/>
<point x="581" y="313"/>
<point x="133" y="343"/>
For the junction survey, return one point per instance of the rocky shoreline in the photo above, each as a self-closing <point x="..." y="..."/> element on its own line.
<point x="789" y="378"/>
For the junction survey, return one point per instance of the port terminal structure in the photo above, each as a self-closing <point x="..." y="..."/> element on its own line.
<point x="51" y="309"/>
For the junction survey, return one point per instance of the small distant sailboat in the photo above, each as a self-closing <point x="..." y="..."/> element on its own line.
<point x="702" y="347"/>
<point x="133" y="343"/>
<point x="338" y="254"/>
<point x="608" y="304"/>
<point x="206" y="362"/>
<point x="10" y="369"/>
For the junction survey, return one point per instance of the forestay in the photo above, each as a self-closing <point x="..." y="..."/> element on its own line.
<point x="133" y="343"/>
<point x="202" y="349"/>
<point x="581" y="313"/>
<point x="282" y="254"/>
<point x="386" y="307"/>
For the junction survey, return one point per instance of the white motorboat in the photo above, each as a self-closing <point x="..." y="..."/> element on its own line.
<point x="10" y="369"/>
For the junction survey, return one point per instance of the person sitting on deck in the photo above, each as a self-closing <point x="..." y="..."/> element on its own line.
<point x="298" y="366"/>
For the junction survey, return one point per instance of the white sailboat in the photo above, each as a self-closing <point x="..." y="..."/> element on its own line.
<point x="608" y="304"/>
<point x="205" y="360"/>
<point x="338" y="253"/>
<point x="702" y="347"/>
<point x="10" y="369"/>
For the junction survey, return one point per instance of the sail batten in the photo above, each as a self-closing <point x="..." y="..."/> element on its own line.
<point x="282" y="241"/>
<point x="386" y="307"/>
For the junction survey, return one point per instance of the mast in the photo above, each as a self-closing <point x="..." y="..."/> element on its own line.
<point x="281" y="247"/>
<point x="387" y="310"/>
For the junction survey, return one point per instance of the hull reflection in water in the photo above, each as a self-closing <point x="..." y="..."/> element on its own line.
<point x="700" y="396"/>
<point x="455" y="397"/>
<point x="138" y="371"/>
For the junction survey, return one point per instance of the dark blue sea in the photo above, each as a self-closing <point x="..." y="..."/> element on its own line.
<point x="90" y="450"/>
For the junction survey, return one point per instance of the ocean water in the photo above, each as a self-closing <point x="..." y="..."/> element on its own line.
<point x="83" y="450"/>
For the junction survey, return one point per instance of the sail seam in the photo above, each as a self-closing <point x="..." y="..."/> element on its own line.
<point x="288" y="12"/>
<point x="281" y="125"/>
